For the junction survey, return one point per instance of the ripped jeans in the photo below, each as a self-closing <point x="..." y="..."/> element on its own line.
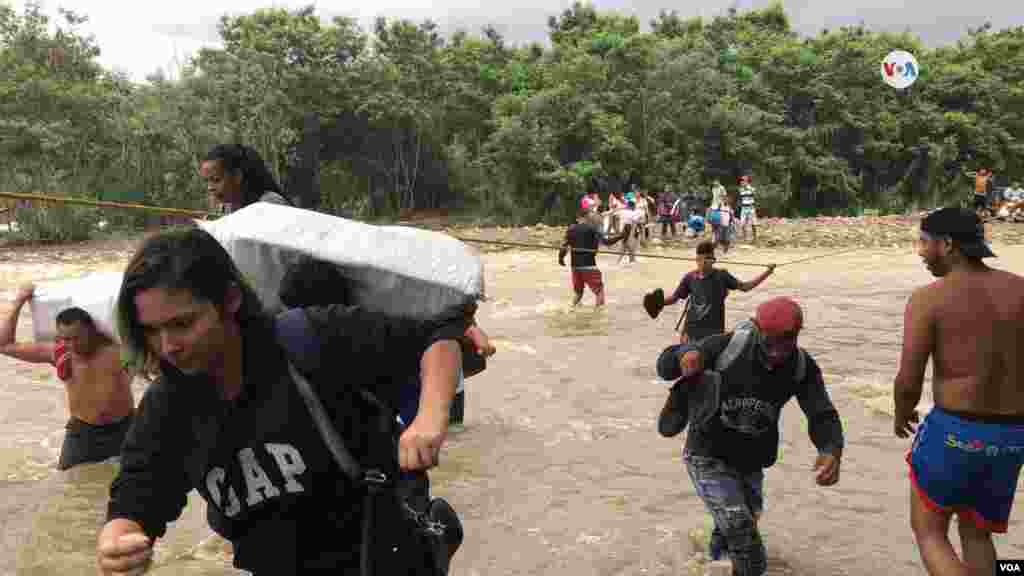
<point x="735" y="500"/>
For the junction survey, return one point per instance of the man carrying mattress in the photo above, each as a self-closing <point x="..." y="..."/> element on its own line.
<point x="98" y="386"/>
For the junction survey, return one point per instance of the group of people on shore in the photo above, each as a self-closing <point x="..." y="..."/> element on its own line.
<point x="720" y="218"/>
<point x="594" y="229"/>
<point x="224" y="413"/>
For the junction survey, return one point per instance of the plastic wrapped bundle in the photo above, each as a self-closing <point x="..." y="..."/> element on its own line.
<point x="95" y="293"/>
<point x="400" y="271"/>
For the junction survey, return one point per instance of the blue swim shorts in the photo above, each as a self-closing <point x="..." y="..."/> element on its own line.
<point x="968" y="467"/>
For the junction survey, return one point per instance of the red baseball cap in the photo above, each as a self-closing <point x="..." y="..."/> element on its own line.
<point x="779" y="315"/>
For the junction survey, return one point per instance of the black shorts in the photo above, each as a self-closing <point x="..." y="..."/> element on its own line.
<point x="85" y="443"/>
<point x="980" y="202"/>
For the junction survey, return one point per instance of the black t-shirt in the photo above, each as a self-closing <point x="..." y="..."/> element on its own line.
<point x="706" y="307"/>
<point x="587" y="236"/>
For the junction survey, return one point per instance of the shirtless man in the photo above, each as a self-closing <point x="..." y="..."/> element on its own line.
<point x="98" y="388"/>
<point x="967" y="453"/>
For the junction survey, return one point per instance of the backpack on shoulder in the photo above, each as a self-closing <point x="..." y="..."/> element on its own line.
<point x="695" y="404"/>
<point x="395" y="537"/>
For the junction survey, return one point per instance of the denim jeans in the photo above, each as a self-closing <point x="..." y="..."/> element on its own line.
<point x="735" y="499"/>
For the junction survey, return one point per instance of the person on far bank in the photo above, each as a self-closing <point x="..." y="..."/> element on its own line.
<point x="705" y="289"/>
<point x="726" y="229"/>
<point x="967" y="454"/>
<point x="236" y="176"/>
<point x="716" y="208"/>
<point x="648" y="213"/>
<point x="748" y="208"/>
<point x="981" y="185"/>
<point x="718" y="195"/>
<point x="630" y="221"/>
<point x="666" y="202"/>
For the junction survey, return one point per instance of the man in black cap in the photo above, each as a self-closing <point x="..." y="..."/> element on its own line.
<point x="967" y="453"/>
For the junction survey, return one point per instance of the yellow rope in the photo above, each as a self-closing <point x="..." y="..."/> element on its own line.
<point x="104" y="204"/>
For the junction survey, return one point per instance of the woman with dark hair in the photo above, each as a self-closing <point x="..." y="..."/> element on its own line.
<point x="225" y="416"/>
<point x="236" y="176"/>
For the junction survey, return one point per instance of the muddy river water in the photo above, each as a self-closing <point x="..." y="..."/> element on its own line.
<point x="560" y="469"/>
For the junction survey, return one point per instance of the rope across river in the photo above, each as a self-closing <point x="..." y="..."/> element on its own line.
<point x="535" y="246"/>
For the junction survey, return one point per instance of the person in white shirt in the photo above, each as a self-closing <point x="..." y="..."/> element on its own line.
<point x="748" y="208"/>
<point x="718" y="195"/>
<point x="629" y="219"/>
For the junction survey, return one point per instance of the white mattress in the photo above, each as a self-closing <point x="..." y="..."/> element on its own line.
<point x="94" y="293"/>
<point x="398" y="270"/>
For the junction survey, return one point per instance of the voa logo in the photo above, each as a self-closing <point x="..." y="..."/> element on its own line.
<point x="899" y="69"/>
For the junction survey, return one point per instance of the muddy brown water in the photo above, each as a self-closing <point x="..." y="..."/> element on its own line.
<point x="560" y="469"/>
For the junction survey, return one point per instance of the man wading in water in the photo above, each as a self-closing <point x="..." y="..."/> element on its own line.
<point x="734" y="434"/>
<point x="98" y="387"/>
<point x="706" y="289"/>
<point x="583" y="239"/>
<point x="967" y="454"/>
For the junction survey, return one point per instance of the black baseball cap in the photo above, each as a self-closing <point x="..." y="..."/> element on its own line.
<point x="962" y="225"/>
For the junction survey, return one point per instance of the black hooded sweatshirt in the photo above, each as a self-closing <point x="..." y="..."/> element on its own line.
<point x="744" y="431"/>
<point x="270" y="483"/>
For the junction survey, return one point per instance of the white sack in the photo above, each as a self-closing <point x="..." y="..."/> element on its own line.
<point x="94" y="293"/>
<point x="397" y="270"/>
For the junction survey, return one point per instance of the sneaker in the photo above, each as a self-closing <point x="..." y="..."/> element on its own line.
<point x="673" y="415"/>
<point x="441" y="511"/>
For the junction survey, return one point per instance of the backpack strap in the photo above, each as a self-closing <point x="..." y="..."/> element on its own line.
<point x="299" y="339"/>
<point x="298" y="336"/>
<point x="801" y="365"/>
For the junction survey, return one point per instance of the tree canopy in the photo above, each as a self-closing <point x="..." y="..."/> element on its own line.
<point x="414" y="119"/>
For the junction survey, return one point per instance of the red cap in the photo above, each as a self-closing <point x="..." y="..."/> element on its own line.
<point x="779" y="315"/>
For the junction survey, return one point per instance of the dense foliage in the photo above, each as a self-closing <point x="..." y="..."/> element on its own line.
<point x="412" y="119"/>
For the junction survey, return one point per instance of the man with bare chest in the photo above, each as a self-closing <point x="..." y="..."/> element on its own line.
<point x="98" y="387"/>
<point x="967" y="453"/>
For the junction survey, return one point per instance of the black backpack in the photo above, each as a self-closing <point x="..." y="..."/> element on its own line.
<point x="309" y="281"/>
<point x="396" y="539"/>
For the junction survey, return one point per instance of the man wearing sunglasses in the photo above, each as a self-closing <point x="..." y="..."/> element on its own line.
<point x="967" y="453"/>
